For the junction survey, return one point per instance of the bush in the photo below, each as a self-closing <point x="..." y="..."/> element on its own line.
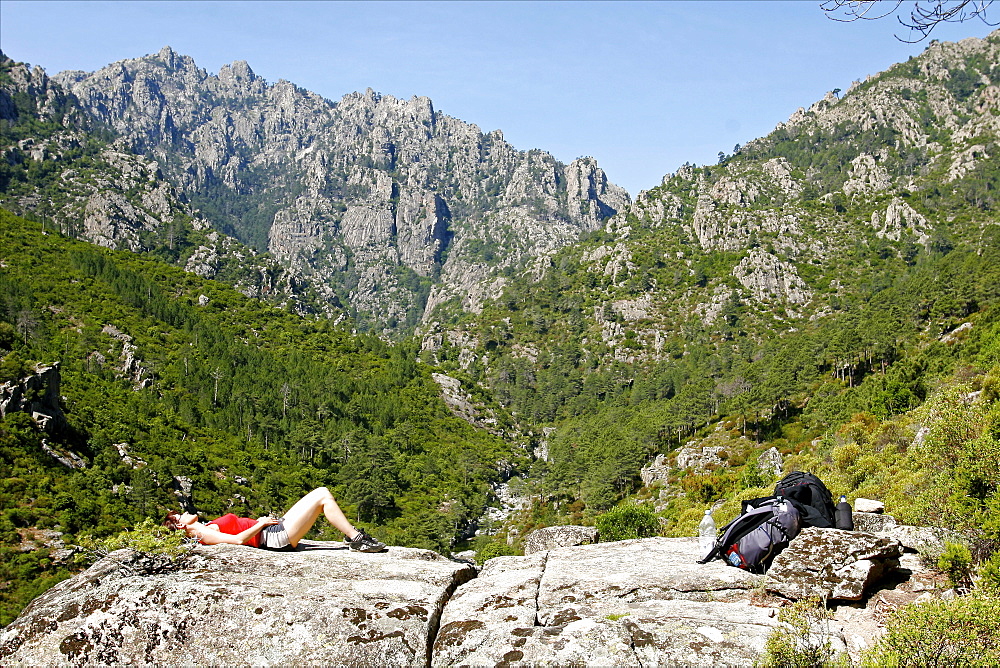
<point x="803" y="638"/>
<point x="627" y="521"/>
<point x="753" y="476"/>
<point x="494" y="549"/>
<point x="989" y="576"/>
<point x="961" y="631"/>
<point x="147" y="537"/>
<point x="956" y="562"/>
<point x="991" y="385"/>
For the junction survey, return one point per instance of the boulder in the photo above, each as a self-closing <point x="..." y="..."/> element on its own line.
<point x="627" y="603"/>
<point x="868" y="506"/>
<point x="561" y="536"/>
<point x="656" y="472"/>
<point x="228" y="605"/>
<point x="770" y="461"/>
<point x="922" y="539"/>
<point x="832" y="564"/>
<point x="873" y="522"/>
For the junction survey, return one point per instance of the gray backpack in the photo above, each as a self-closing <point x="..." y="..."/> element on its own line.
<point x="763" y="529"/>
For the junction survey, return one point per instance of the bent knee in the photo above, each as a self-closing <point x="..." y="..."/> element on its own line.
<point x="323" y="492"/>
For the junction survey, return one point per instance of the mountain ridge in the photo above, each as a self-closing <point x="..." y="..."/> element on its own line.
<point x="345" y="190"/>
<point x="81" y="181"/>
<point x="834" y="248"/>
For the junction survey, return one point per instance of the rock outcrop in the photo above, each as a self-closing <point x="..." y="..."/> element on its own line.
<point x="767" y="278"/>
<point x="910" y="538"/>
<point x="771" y="462"/>
<point x="657" y="472"/>
<point x="550" y="538"/>
<point x="460" y="403"/>
<point x="226" y="605"/>
<point x="700" y="458"/>
<point x="630" y="603"/>
<point x="38" y="396"/>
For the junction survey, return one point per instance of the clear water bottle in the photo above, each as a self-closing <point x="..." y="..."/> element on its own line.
<point x="706" y="533"/>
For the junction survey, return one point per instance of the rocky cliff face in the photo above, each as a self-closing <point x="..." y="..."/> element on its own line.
<point x="376" y="197"/>
<point x="103" y="192"/>
<point x="38" y="396"/>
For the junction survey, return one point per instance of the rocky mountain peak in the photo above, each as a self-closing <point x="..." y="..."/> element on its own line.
<point x="115" y="198"/>
<point x="238" y="77"/>
<point x="354" y="192"/>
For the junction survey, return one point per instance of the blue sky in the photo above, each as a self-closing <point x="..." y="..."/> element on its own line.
<point x="641" y="86"/>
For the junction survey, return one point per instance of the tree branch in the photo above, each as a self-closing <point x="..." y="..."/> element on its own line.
<point x="923" y="17"/>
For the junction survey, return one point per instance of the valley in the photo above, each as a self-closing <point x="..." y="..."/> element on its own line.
<point x="249" y="290"/>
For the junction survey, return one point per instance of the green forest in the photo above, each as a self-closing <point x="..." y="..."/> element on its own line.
<point x="255" y="406"/>
<point x="877" y="353"/>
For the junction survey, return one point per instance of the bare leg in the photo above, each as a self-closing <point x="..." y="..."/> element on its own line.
<point x="301" y="516"/>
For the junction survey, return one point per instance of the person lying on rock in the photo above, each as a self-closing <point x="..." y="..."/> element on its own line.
<point x="272" y="533"/>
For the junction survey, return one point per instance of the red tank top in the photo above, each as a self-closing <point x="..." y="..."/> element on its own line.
<point x="231" y="524"/>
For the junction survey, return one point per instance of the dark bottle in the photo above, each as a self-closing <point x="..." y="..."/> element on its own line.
<point x="844" y="518"/>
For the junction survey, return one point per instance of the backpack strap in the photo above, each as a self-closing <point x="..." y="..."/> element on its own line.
<point x="777" y="525"/>
<point x="712" y="554"/>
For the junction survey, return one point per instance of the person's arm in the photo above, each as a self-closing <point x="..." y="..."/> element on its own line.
<point x="210" y="535"/>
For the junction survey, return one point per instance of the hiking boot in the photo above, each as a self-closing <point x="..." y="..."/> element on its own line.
<point x="364" y="543"/>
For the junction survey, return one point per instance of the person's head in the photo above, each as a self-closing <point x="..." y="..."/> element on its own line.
<point x="172" y="520"/>
<point x="177" y="520"/>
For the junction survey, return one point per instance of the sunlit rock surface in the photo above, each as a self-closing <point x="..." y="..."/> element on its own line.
<point x="228" y="605"/>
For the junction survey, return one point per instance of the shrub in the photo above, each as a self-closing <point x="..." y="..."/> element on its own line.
<point x="493" y="549"/>
<point x="147" y="537"/>
<point x="991" y="385"/>
<point x="989" y="575"/>
<point x="961" y="631"/>
<point x="753" y="476"/>
<point x="683" y="521"/>
<point x="802" y="639"/>
<point x="956" y="562"/>
<point x="627" y="521"/>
